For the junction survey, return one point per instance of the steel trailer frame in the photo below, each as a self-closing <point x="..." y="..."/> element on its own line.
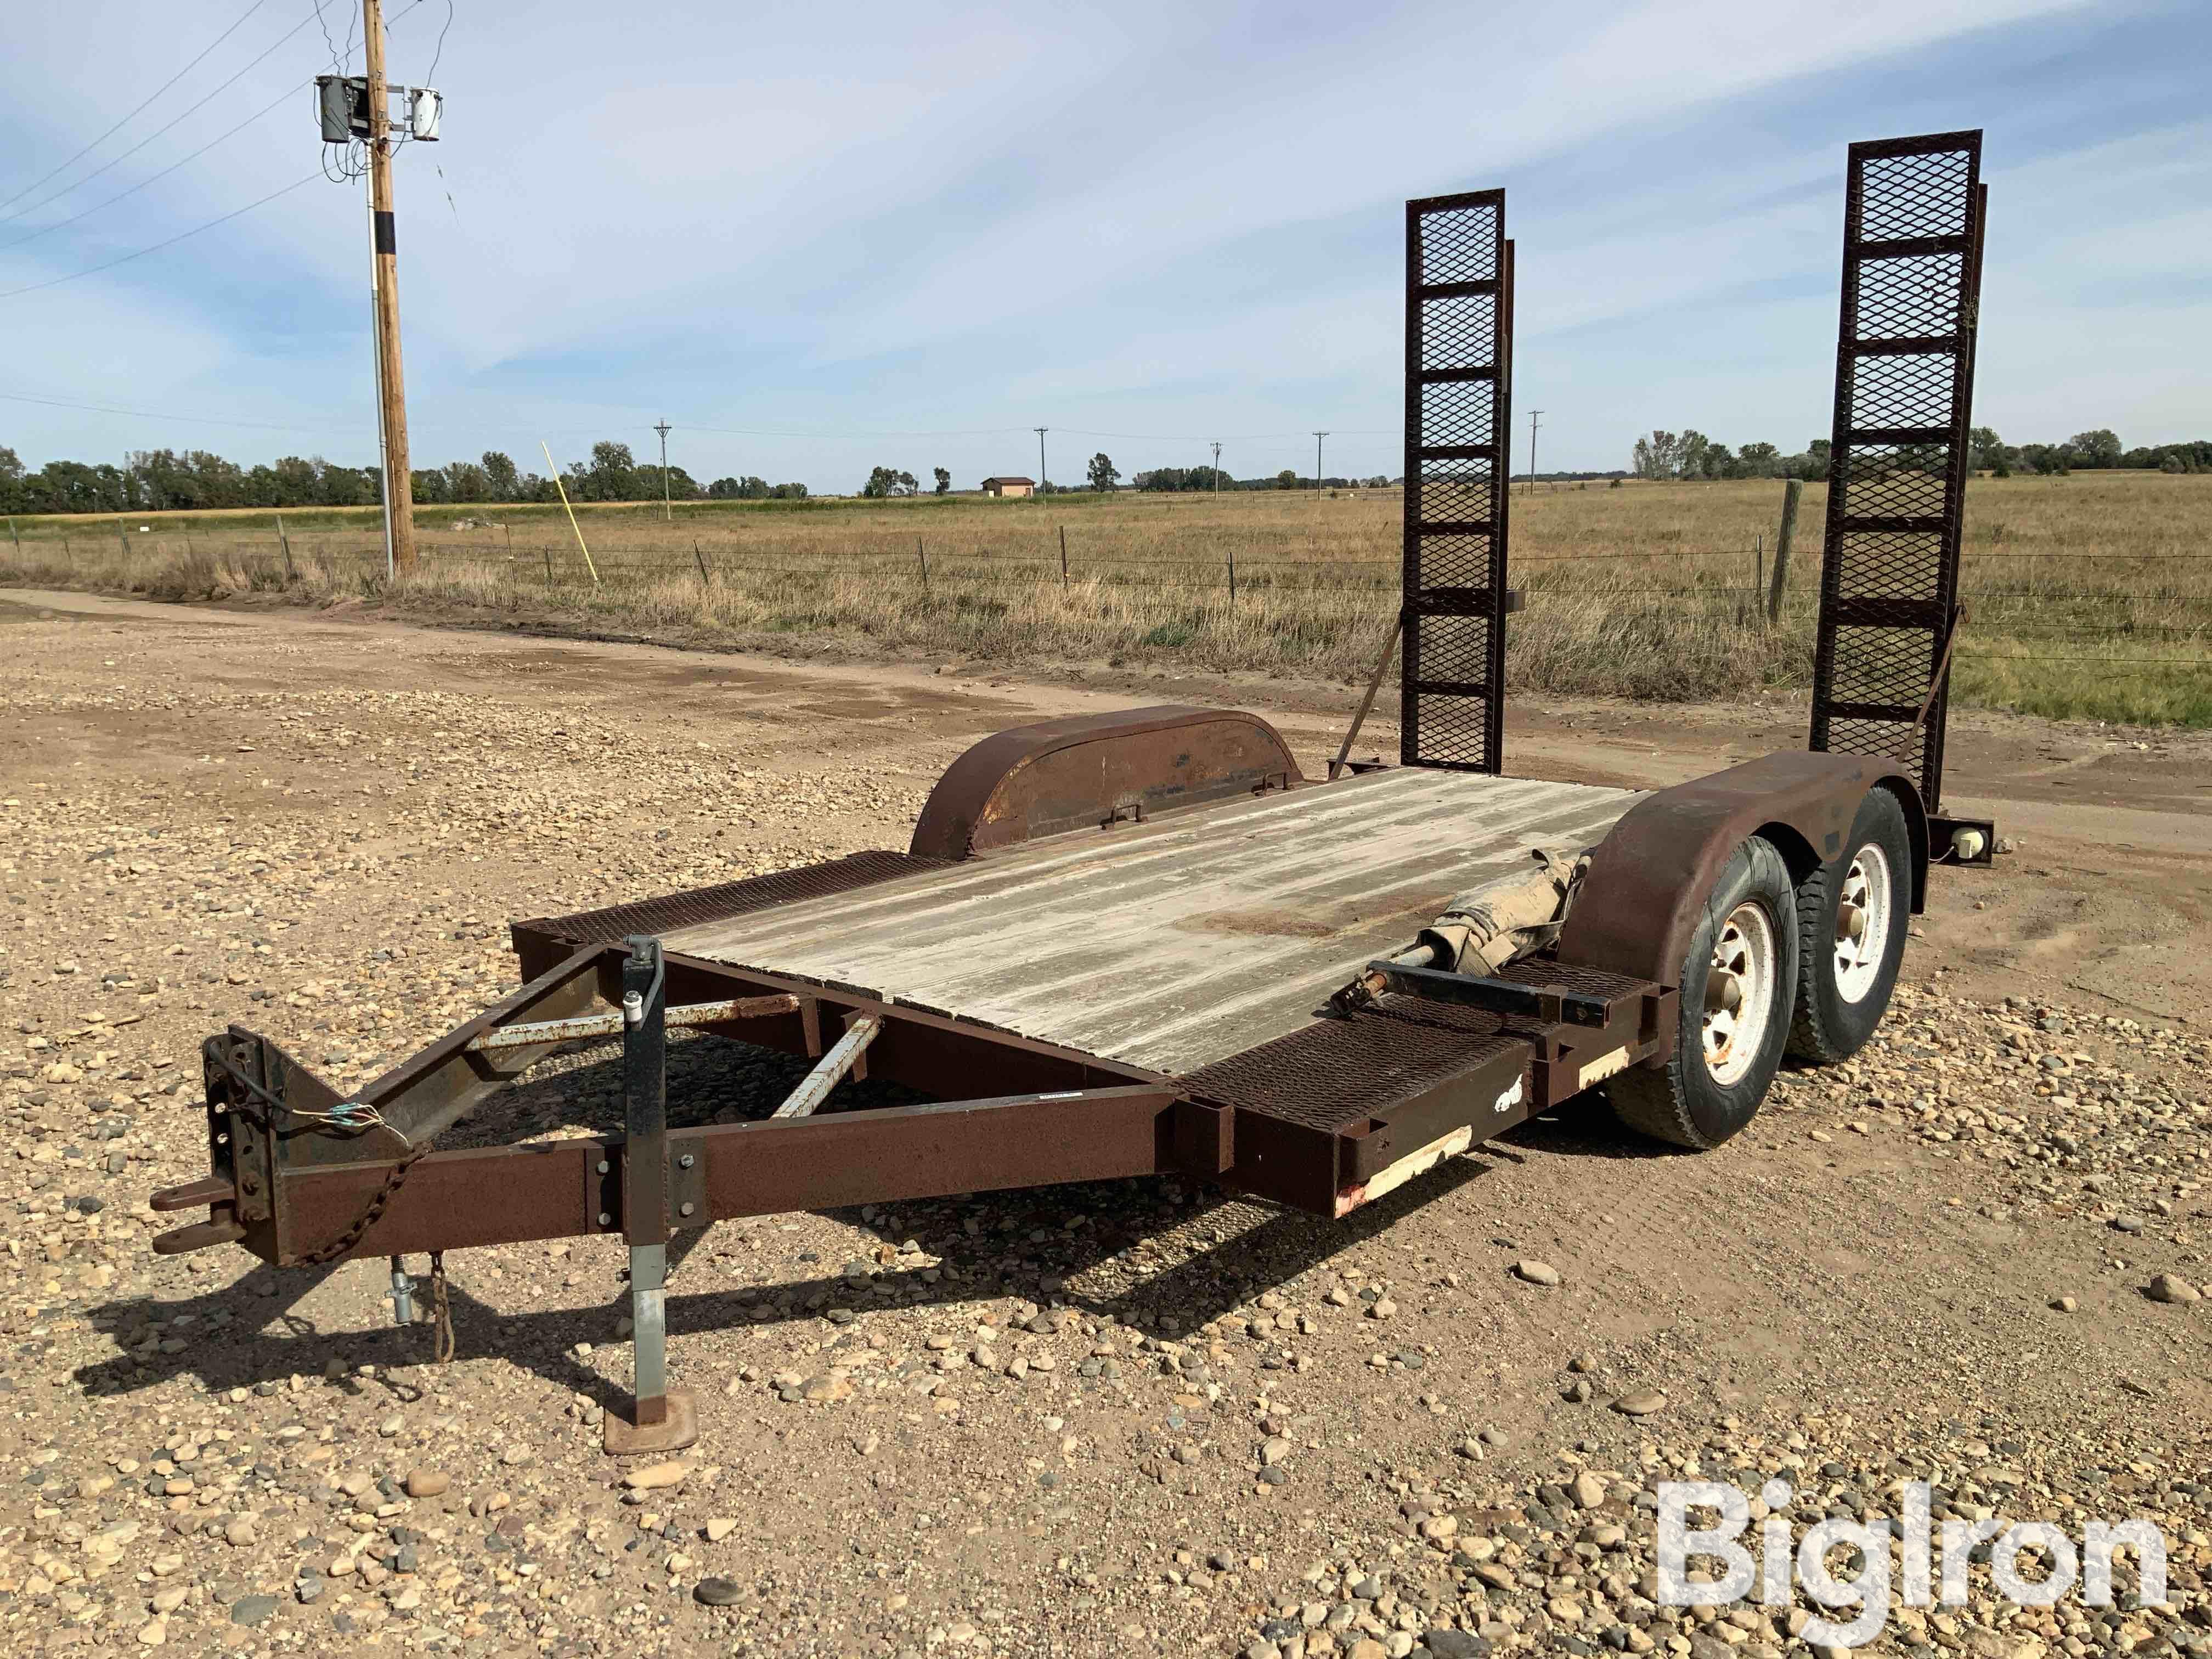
<point x="290" y="1192"/>
<point x="1363" y="1098"/>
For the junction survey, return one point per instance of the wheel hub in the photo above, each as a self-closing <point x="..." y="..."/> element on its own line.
<point x="1862" y="922"/>
<point x="1740" y="993"/>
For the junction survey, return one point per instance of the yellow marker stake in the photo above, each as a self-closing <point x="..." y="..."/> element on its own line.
<point x="573" y="525"/>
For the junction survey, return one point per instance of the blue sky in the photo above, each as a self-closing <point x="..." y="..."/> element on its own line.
<point x="821" y="238"/>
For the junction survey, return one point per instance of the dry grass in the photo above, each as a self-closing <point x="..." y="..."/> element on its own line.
<point x="1644" y="590"/>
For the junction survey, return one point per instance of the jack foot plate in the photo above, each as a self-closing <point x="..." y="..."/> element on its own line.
<point x="625" y="1438"/>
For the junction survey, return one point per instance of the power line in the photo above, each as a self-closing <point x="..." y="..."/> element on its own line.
<point x="1233" y="437"/>
<point x="337" y="64"/>
<point x="150" y="414"/>
<point x="63" y="223"/>
<point x="149" y="99"/>
<point x="757" y="432"/>
<point x="91" y="270"/>
<point x="156" y="133"/>
<point x="440" y="51"/>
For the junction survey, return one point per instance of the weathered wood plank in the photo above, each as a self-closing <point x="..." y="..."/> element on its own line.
<point x="1172" y="945"/>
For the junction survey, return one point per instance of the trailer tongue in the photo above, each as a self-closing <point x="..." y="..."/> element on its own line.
<point x="1143" y="943"/>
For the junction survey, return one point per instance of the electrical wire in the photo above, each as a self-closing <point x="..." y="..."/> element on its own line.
<point x="152" y="415"/>
<point x="59" y="224"/>
<point x="754" y="432"/>
<point x="338" y="64"/>
<point x="149" y="98"/>
<point x="348" y="162"/>
<point x="55" y="282"/>
<point x="156" y="133"/>
<point x="440" y="51"/>
<point x="1228" y="437"/>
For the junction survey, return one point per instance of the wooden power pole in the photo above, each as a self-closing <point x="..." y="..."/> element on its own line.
<point x="398" y="481"/>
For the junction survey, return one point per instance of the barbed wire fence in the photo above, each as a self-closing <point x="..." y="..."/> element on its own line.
<point x="2165" y="600"/>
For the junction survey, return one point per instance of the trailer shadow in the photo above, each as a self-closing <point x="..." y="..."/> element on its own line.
<point x="1160" y="1253"/>
<point x="1252" y="1246"/>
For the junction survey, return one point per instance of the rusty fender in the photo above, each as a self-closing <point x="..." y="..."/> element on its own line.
<point x="1649" y="879"/>
<point x="1089" y="771"/>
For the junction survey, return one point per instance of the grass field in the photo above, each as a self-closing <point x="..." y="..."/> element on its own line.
<point x="2090" y="595"/>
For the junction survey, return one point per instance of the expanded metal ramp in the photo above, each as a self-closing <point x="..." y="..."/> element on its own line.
<point x="1913" y="217"/>
<point x="1459" y="413"/>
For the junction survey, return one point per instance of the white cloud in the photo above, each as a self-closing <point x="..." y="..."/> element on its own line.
<point x="876" y="215"/>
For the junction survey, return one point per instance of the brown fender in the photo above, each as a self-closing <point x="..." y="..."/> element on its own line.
<point x="1087" y="770"/>
<point x="1649" y="878"/>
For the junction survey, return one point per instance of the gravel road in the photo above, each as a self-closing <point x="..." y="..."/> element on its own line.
<point x="1137" y="1419"/>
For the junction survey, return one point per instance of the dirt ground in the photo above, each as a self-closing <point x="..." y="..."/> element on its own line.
<point x="1230" y="1430"/>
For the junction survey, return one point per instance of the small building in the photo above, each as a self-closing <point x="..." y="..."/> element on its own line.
<point x="1010" y="486"/>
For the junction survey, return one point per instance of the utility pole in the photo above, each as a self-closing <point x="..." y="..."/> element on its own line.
<point x="1318" y="436"/>
<point x="1216" y="474"/>
<point x="1533" y="415"/>
<point x="663" y="429"/>
<point x="1041" y="480"/>
<point x="398" y="481"/>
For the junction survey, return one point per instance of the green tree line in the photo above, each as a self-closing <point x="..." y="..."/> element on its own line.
<point x="197" y="480"/>
<point x="1689" y="454"/>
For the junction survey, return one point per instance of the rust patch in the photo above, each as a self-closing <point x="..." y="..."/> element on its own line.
<point x="1315" y="921"/>
<point x="1265" y="924"/>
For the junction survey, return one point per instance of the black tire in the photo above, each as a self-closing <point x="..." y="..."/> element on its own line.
<point x="1838" y="1009"/>
<point x="1687" y="1102"/>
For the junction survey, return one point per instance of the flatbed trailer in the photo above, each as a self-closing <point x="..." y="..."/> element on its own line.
<point x="1146" y="943"/>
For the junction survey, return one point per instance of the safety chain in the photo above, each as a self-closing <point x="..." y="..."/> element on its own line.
<point x="441" y="1312"/>
<point x="351" y="1237"/>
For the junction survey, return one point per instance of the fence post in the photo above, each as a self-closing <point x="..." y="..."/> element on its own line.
<point x="1783" y="537"/>
<point x="285" y="542"/>
<point x="548" y="551"/>
<point x="702" y="557"/>
<point x="1063" y="558"/>
<point x="924" y="559"/>
<point x="1233" y="581"/>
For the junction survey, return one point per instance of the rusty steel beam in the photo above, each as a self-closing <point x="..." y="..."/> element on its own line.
<point x="570" y="1189"/>
<point x="426" y="1095"/>
<point x="933" y="1053"/>
<point x="607" y="1025"/>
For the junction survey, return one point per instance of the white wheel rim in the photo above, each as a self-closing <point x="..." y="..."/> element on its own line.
<point x="1739" y="994"/>
<point x="1862" y="915"/>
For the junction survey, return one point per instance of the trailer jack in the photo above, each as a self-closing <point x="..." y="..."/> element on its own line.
<point x="659" y="1419"/>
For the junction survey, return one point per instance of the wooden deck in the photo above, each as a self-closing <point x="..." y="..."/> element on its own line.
<point x="1173" y="945"/>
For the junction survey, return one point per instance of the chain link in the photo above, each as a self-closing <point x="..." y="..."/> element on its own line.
<point x="351" y="1237"/>
<point x="441" y="1312"/>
